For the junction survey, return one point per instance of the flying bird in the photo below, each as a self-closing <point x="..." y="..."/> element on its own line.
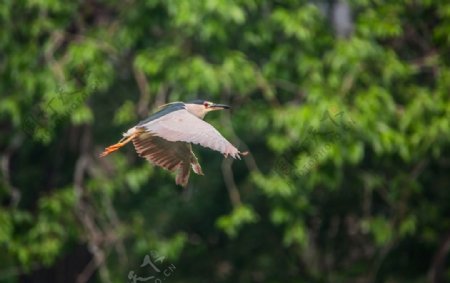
<point x="166" y="137"/>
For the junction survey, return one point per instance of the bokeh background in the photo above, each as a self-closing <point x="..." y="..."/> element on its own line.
<point x="343" y="105"/>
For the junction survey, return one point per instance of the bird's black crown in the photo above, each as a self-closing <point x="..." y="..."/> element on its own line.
<point x="197" y="101"/>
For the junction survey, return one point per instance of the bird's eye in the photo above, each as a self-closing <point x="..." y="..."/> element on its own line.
<point x="206" y="104"/>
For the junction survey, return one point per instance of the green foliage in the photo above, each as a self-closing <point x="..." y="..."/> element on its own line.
<point x="240" y="216"/>
<point x="347" y="180"/>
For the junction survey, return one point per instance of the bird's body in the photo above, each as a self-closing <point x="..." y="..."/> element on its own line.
<point x="165" y="137"/>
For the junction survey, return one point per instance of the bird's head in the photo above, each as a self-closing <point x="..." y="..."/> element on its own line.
<point x="200" y="107"/>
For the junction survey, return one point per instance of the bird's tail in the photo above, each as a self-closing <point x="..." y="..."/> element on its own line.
<point x="183" y="172"/>
<point x="118" y="145"/>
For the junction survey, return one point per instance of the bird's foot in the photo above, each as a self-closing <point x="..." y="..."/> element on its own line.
<point x="111" y="148"/>
<point x="118" y="145"/>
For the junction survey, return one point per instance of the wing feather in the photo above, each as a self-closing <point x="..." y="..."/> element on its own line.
<point x="172" y="156"/>
<point x="183" y="126"/>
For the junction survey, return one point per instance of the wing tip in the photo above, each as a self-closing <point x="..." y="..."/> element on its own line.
<point x="236" y="154"/>
<point x="182" y="177"/>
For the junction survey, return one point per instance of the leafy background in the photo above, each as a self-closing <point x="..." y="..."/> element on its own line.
<point x="343" y="105"/>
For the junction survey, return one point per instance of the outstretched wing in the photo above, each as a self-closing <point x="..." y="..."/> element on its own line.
<point x="161" y="152"/>
<point x="183" y="126"/>
<point x="172" y="156"/>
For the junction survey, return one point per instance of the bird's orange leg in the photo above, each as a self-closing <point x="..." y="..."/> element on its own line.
<point x="118" y="145"/>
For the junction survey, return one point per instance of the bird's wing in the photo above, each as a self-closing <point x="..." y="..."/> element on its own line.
<point x="161" y="152"/>
<point x="173" y="156"/>
<point x="183" y="126"/>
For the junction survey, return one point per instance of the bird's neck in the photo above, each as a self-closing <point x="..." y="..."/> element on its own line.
<point x="196" y="110"/>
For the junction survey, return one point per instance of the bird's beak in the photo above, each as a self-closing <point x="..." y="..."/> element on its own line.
<point x="219" y="106"/>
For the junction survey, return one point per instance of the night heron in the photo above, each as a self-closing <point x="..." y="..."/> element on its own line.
<point x="165" y="137"/>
